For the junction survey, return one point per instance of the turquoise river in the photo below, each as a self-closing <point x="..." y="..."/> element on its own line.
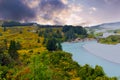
<point x="82" y="56"/>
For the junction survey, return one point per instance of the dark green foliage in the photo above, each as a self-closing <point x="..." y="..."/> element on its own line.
<point x="4" y="58"/>
<point x="86" y="72"/>
<point x="14" y="23"/>
<point x="76" y="29"/>
<point x="13" y="50"/>
<point x="58" y="34"/>
<point x="51" y="33"/>
<point x="3" y="72"/>
<point x="10" y="23"/>
<point x="70" y="35"/>
<point x="48" y="30"/>
<point x="113" y="39"/>
<point x="66" y="28"/>
<point x="99" y="71"/>
<point x="46" y="35"/>
<point x="71" y="32"/>
<point x="40" y="33"/>
<point x="53" y="45"/>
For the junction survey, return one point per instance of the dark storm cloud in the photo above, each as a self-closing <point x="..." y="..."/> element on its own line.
<point x="15" y="10"/>
<point x="48" y="8"/>
<point x="54" y="4"/>
<point x="21" y="9"/>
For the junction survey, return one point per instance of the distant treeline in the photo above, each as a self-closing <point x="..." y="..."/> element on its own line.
<point x="113" y="39"/>
<point x="15" y="23"/>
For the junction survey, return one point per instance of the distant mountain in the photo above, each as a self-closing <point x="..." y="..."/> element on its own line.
<point x="109" y="26"/>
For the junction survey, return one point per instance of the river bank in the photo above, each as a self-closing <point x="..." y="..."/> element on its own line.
<point x="81" y="40"/>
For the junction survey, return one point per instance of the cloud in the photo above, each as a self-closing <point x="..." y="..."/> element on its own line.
<point x="48" y="8"/>
<point x="65" y="1"/>
<point x="30" y="10"/>
<point x="72" y="12"/>
<point x="15" y="10"/>
<point x="59" y="12"/>
<point x="31" y="3"/>
<point x="49" y="11"/>
<point x="92" y="10"/>
<point x="73" y="16"/>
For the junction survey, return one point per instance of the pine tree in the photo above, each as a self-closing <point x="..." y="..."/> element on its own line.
<point x="51" y="44"/>
<point x="13" y="50"/>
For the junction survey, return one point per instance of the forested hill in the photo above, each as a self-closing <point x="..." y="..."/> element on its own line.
<point x="34" y="53"/>
<point x="15" y="23"/>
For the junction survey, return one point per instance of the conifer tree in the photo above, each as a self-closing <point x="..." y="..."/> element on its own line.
<point x="51" y="44"/>
<point x="13" y="50"/>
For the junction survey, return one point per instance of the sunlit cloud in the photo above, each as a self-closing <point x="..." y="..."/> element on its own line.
<point x="32" y="3"/>
<point x="68" y="14"/>
<point x="65" y="1"/>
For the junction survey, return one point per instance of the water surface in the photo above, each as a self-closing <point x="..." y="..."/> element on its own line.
<point x="82" y="56"/>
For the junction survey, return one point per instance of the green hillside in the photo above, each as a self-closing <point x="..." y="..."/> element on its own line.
<point x="29" y="53"/>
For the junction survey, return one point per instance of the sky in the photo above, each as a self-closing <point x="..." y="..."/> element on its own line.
<point x="61" y="12"/>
